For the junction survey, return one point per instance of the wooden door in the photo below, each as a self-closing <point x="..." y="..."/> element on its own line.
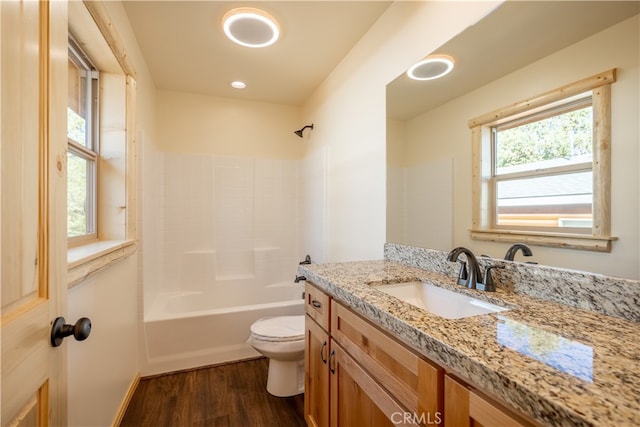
<point x="33" y="210"/>
<point x="316" y="379"/>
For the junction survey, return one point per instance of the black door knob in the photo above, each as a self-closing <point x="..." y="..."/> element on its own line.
<point x="60" y="330"/>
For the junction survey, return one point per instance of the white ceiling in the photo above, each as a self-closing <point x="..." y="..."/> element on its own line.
<point x="515" y="34"/>
<point x="186" y="50"/>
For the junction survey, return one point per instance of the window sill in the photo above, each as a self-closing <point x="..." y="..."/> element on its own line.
<point x="583" y="242"/>
<point x="84" y="260"/>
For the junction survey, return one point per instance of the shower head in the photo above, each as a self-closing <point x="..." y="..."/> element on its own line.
<point x="299" y="131"/>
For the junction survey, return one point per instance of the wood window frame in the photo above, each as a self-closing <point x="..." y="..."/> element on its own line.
<point x="116" y="192"/>
<point x="483" y="196"/>
<point x="91" y="152"/>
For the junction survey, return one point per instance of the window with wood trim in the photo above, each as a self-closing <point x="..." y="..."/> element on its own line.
<point x="102" y="168"/>
<point x="82" y="154"/>
<point x="542" y="168"/>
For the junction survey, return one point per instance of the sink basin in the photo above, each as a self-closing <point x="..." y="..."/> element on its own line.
<point x="439" y="301"/>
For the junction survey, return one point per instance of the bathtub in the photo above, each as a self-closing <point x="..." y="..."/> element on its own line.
<point x="190" y="329"/>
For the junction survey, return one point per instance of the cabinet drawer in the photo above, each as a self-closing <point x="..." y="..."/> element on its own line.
<point x="415" y="382"/>
<point x="317" y="305"/>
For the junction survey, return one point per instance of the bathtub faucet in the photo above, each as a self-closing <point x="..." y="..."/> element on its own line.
<point x="307" y="260"/>
<point x="299" y="278"/>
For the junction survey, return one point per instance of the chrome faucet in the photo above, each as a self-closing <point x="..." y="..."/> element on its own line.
<point x="474" y="275"/>
<point x="511" y="252"/>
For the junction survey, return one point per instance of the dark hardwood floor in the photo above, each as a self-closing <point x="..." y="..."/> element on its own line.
<point x="230" y="395"/>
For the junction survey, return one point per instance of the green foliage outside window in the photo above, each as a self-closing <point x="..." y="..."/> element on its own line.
<point x="76" y="195"/>
<point x="564" y="136"/>
<point x="78" y="170"/>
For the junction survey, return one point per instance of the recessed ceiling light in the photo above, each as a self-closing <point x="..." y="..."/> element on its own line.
<point x="432" y="67"/>
<point x="238" y="84"/>
<point x="250" y="27"/>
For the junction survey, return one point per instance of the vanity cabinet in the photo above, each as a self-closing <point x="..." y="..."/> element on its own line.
<point x="358" y="375"/>
<point x="355" y="374"/>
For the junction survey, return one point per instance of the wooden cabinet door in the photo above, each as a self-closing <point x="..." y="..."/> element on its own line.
<point x="357" y="399"/>
<point x="465" y="407"/>
<point x="316" y="378"/>
<point x="414" y="382"/>
<point x="456" y="403"/>
<point x="33" y="52"/>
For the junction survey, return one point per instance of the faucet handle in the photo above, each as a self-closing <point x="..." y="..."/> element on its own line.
<point x="463" y="274"/>
<point x="488" y="285"/>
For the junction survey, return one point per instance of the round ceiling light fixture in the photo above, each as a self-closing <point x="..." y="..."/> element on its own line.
<point x="250" y="27"/>
<point x="432" y="67"/>
<point x="238" y="84"/>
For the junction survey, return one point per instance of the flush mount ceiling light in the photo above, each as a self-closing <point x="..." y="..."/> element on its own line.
<point x="250" y="27"/>
<point x="238" y="84"/>
<point x="432" y="67"/>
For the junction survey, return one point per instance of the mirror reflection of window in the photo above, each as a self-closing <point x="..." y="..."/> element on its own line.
<point x="542" y="168"/>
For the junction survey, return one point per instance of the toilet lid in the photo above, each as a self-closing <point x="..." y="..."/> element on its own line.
<point x="281" y="328"/>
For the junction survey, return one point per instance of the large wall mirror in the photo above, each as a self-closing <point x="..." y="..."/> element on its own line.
<point x="520" y="50"/>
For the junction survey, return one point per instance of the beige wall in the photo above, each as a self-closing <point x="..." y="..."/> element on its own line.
<point x="449" y="137"/>
<point x="348" y="110"/>
<point x="207" y="124"/>
<point x="396" y="174"/>
<point x="102" y="367"/>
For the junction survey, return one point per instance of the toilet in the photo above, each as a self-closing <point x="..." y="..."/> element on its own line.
<point x="281" y="339"/>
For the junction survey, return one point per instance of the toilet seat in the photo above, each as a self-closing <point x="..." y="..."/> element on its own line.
<point x="279" y="329"/>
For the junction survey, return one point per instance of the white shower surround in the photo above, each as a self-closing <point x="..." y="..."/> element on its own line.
<point x="228" y="218"/>
<point x="228" y="256"/>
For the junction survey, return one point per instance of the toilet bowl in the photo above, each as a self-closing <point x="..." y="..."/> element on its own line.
<point x="281" y="339"/>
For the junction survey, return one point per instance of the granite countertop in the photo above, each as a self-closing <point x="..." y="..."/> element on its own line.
<point x="559" y="365"/>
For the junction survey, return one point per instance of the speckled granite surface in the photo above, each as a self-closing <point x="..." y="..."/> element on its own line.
<point x="558" y="364"/>
<point x="594" y="292"/>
